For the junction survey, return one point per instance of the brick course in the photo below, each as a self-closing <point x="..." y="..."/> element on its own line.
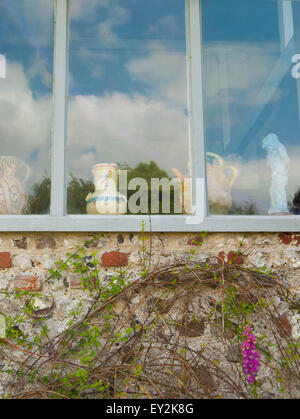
<point x="114" y="258"/>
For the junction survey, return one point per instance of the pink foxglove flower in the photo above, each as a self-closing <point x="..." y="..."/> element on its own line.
<point x="250" y="355"/>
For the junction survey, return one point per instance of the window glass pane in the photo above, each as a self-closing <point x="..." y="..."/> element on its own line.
<point x="26" y="58"/>
<point x="127" y="105"/>
<point x="251" y="105"/>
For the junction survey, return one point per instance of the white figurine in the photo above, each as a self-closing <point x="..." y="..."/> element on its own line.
<point x="278" y="160"/>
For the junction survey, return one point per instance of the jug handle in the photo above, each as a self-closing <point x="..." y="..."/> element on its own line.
<point x="28" y="171"/>
<point x="216" y="156"/>
<point x="234" y="176"/>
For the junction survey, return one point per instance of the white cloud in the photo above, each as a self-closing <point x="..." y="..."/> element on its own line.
<point x="80" y="9"/>
<point x="125" y="129"/>
<point x="164" y="73"/>
<point x="36" y="26"/>
<point x="167" y="26"/>
<point x="121" y="128"/>
<point x="25" y="123"/>
<point x="239" y="68"/>
<point x="37" y="68"/>
<point x="116" y="16"/>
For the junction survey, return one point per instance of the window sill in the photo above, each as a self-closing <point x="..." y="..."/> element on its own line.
<point x="157" y="223"/>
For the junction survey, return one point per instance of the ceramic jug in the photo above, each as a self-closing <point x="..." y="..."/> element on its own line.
<point x="13" y="199"/>
<point x="106" y="199"/>
<point x="220" y="180"/>
<point x="103" y="171"/>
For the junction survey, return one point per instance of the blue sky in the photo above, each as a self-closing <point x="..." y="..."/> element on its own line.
<point x="133" y="27"/>
<point x="242" y="20"/>
<point x="26" y="38"/>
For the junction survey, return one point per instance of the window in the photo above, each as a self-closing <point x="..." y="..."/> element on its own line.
<point x="183" y="114"/>
<point x="26" y="68"/>
<point x="251" y="105"/>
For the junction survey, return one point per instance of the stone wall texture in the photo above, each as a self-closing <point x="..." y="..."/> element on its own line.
<point x="25" y="260"/>
<point x="32" y="255"/>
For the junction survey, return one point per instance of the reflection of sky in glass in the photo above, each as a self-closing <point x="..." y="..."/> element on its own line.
<point x="249" y="90"/>
<point x="127" y="84"/>
<point x="26" y="42"/>
<point x="103" y="43"/>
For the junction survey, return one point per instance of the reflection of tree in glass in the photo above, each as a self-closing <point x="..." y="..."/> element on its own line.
<point x="39" y="198"/>
<point x="78" y="189"/>
<point x="246" y="208"/>
<point x="149" y="171"/>
<point x="294" y="204"/>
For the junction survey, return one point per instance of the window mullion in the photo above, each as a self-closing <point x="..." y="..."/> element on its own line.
<point x="58" y="169"/>
<point x="195" y="100"/>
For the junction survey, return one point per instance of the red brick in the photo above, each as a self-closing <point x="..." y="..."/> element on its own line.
<point x="297" y="240"/>
<point x="5" y="260"/>
<point x="289" y="239"/>
<point x="221" y="257"/>
<point x="235" y="258"/>
<point x="114" y="258"/>
<point x="27" y="283"/>
<point x="285" y="238"/>
<point x="195" y="241"/>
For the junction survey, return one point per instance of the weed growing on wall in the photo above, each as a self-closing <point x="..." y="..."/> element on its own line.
<point x="169" y="331"/>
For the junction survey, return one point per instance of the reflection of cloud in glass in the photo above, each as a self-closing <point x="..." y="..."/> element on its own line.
<point x="165" y="26"/>
<point x="163" y="72"/>
<point x="30" y="29"/>
<point x="128" y="92"/>
<point x="79" y="9"/>
<point x="116" y="16"/>
<point x="103" y="18"/>
<point x="25" y="122"/>
<point x="239" y="68"/>
<point x="248" y="92"/>
<point x="125" y="129"/>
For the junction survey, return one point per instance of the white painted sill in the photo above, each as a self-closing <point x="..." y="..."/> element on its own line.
<point x="155" y="223"/>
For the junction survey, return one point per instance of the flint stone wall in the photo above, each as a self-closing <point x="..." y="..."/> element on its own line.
<point x="25" y="260"/>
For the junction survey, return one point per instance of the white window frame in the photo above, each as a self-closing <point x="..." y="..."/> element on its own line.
<point x="58" y="220"/>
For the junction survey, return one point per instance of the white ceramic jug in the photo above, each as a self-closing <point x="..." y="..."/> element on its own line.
<point x="106" y="199"/>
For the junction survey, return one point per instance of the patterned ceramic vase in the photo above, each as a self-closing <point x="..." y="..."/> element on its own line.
<point x="13" y="199"/>
<point x="106" y="199"/>
<point x="102" y="172"/>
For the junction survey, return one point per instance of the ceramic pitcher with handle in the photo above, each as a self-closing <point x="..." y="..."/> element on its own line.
<point x="220" y="179"/>
<point x="106" y="199"/>
<point x="13" y="176"/>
